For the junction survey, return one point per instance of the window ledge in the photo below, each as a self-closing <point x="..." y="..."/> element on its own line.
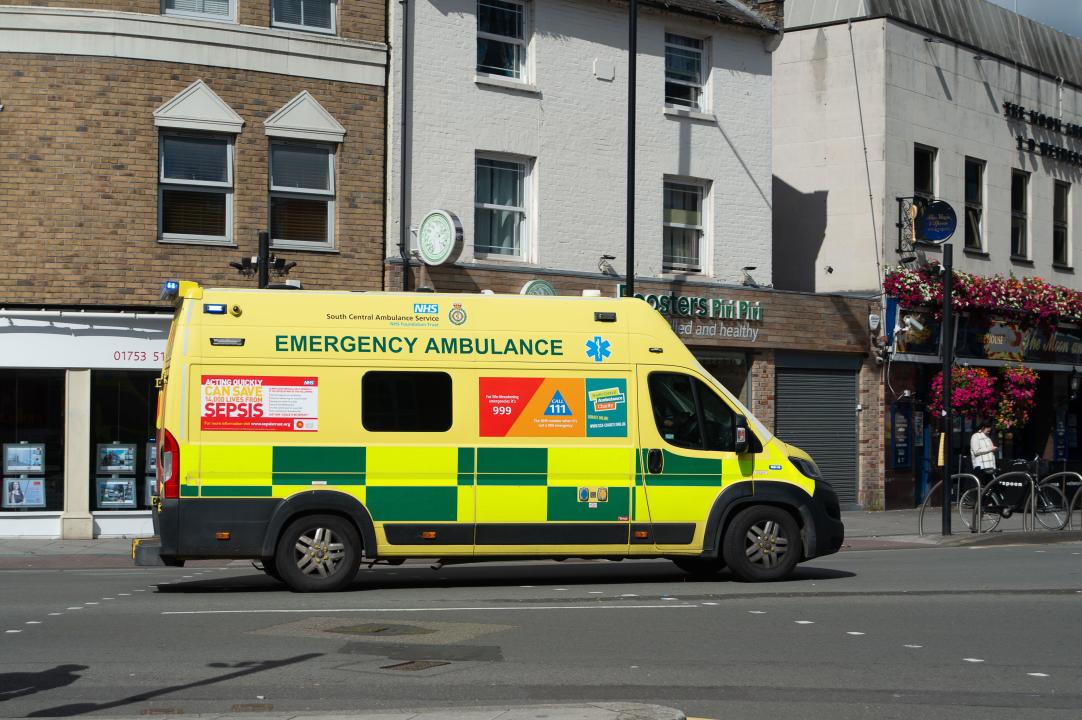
<point x="690" y="114"/>
<point x="300" y="247"/>
<point x="195" y="241"/>
<point x="1019" y="260"/>
<point x="506" y="84"/>
<point x="509" y="260"/>
<point x="974" y="252"/>
<point x="1062" y="268"/>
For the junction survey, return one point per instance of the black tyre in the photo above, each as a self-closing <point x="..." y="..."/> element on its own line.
<point x="271" y="568"/>
<point x="698" y="566"/>
<point x="318" y="553"/>
<point x="762" y="544"/>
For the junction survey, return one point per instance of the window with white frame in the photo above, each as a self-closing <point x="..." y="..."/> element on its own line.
<point x="684" y="234"/>
<point x="205" y="9"/>
<point x="302" y="195"/>
<point x="501" y="38"/>
<point x="304" y="14"/>
<point x="1020" y="214"/>
<point x="1061" y="248"/>
<point x="500" y="204"/>
<point x="974" y="225"/>
<point x="195" y="188"/>
<point x="685" y="76"/>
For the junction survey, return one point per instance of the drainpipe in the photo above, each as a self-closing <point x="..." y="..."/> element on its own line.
<point x="403" y="218"/>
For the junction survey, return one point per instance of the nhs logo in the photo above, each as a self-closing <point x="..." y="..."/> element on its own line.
<point x="426" y="309"/>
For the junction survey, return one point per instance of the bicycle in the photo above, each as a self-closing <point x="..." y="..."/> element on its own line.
<point x="1046" y="501"/>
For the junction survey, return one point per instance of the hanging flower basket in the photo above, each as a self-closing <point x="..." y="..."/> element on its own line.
<point x="1007" y="400"/>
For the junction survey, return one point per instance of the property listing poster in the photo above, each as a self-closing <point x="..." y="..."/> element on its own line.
<point x="260" y="403"/>
<point x="552" y="407"/>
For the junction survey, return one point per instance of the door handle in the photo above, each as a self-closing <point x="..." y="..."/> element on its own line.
<point x="655" y="462"/>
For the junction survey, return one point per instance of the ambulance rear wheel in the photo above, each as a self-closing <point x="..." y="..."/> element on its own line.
<point x="762" y="544"/>
<point x="699" y="567"/>
<point x="318" y="553"/>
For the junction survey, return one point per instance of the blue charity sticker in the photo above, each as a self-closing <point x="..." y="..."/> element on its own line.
<point x="558" y="406"/>
<point x="598" y="348"/>
<point x="775" y="467"/>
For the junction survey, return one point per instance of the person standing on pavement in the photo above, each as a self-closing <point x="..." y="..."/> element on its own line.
<point x="982" y="452"/>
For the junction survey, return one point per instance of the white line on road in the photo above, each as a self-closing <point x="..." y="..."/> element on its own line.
<point x="33" y="622"/>
<point x="973" y="660"/>
<point x="915" y="647"/>
<point x="1037" y="674"/>
<point x="853" y="632"/>
<point x="757" y="612"/>
<point x="805" y="622"/>
<point x="12" y="632"/>
<point x="482" y="608"/>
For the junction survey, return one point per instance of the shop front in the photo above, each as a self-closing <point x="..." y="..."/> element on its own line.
<point x="77" y="412"/>
<point x="1018" y="369"/>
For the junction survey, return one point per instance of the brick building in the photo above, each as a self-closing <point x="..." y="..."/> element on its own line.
<point x="519" y="143"/>
<point x="145" y="140"/>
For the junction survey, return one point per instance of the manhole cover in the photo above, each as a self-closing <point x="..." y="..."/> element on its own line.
<point x="414" y="665"/>
<point x="382" y="629"/>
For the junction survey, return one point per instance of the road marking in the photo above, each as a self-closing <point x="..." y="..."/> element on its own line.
<point x="629" y="595"/>
<point x="916" y="647"/>
<point x="805" y="622"/>
<point x="75" y="608"/>
<point x="597" y="592"/>
<point x="108" y="598"/>
<point x="853" y="632"/>
<point x="91" y="603"/>
<point x="973" y="660"/>
<point x="1037" y="674"/>
<point x="33" y="622"/>
<point x="709" y="603"/>
<point x="124" y="594"/>
<point x="12" y="632"/>
<point x="757" y="612"/>
<point x="525" y="586"/>
<point x="55" y="614"/>
<point x="481" y="608"/>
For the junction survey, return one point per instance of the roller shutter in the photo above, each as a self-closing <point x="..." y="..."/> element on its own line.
<point x="816" y="411"/>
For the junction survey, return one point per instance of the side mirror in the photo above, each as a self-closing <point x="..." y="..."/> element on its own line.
<point x="740" y="435"/>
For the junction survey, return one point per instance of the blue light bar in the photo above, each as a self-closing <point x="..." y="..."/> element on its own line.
<point x="214" y="309"/>
<point x="170" y="288"/>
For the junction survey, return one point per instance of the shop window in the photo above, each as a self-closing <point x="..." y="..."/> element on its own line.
<point x="924" y="172"/>
<point x="195" y="191"/>
<point x="974" y="228"/>
<point x="304" y="14"/>
<point x="201" y="9"/>
<point x="302" y="195"/>
<point x="501" y="38"/>
<point x="1020" y="214"/>
<point x="1061" y="247"/>
<point x="406" y="401"/>
<point x="685" y="77"/>
<point x="689" y="414"/>
<point x="32" y="434"/>
<point x="500" y="207"/>
<point x="683" y="233"/>
<point x="123" y="405"/>
<point x="731" y="370"/>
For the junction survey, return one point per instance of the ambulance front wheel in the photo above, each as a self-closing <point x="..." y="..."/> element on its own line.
<point x="318" y="553"/>
<point x="762" y="544"/>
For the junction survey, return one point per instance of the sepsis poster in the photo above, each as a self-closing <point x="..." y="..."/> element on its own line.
<point x="552" y="407"/>
<point x="260" y="403"/>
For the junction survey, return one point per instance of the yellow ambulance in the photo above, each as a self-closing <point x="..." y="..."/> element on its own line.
<point x="312" y="430"/>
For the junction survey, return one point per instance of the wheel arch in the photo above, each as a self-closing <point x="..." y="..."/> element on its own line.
<point x="738" y="496"/>
<point x="313" y="502"/>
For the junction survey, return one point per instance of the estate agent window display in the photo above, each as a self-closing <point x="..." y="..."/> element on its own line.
<point x="123" y="408"/>
<point x="32" y="437"/>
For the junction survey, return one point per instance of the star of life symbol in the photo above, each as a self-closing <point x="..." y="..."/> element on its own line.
<point x="598" y="348"/>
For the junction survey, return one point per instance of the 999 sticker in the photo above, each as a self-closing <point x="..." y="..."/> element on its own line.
<point x="259" y="403"/>
<point x="552" y="407"/>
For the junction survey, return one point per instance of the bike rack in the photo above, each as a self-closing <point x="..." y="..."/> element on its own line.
<point x="1071" y="503"/>
<point x="1076" y="503"/>
<point x="974" y="523"/>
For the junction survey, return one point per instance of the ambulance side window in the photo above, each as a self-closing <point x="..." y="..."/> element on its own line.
<point x="689" y="414"/>
<point x="406" y="401"/>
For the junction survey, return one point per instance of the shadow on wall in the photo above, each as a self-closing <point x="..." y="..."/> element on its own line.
<point x="800" y="222"/>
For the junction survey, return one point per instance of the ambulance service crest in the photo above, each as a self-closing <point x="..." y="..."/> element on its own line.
<point x="457" y="315"/>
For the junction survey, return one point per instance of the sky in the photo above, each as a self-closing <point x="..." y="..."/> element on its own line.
<point x="1064" y="15"/>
